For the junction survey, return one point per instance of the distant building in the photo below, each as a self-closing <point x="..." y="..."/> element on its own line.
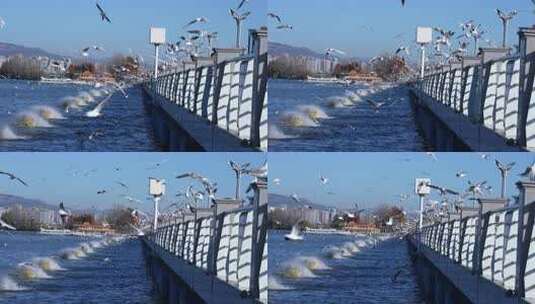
<point x="313" y="65"/>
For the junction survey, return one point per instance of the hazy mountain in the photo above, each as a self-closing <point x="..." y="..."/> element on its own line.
<point x="9" y="49"/>
<point x="279" y="200"/>
<point x="279" y="49"/>
<point x="7" y="200"/>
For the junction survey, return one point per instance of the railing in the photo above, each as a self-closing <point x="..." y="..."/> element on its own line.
<point x="496" y="94"/>
<point x="493" y="249"/>
<point x="230" y="95"/>
<point x="230" y="246"/>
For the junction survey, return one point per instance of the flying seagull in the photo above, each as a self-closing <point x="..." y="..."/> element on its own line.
<point x="196" y="20"/>
<point x="403" y="49"/>
<point x="275" y="16"/>
<point x="242" y="3"/>
<point x="529" y="172"/>
<point x="323" y="180"/>
<point x="2" y="23"/>
<point x="6" y="225"/>
<point x="460" y="174"/>
<point x="285" y="27"/>
<point x="15" y="178"/>
<point x="101" y="191"/>
<point x="376" y="105"/>
<point x="122" y="184"/>
<point x="103" y="14"/>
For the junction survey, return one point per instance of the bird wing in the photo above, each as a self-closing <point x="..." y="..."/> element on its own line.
<point x="21" y="181"/>
<point x="371" y="102"/>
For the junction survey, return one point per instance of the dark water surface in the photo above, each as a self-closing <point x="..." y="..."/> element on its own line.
<point x="364" y="277"/>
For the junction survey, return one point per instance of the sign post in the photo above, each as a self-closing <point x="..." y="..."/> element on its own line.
<point x="157" y="37"/>
<point x="424" y="36"/>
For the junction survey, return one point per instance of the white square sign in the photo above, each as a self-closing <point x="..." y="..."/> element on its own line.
<point x="421" y="186"/>
<point x="156" y="187"/>
<point x="424" y="35"/>
<point x="157" y="35"/>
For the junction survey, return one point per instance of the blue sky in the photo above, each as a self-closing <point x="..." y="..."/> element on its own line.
<point x="66" y="26"/>
<point x="374" y="178"/>
<point x="55" y="177"/>
<point x="343" y="24"/>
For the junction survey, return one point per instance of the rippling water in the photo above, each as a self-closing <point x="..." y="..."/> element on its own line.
<point x="364" y="277"/>
<point x="124" y="124"/>
<point x="112" y="273"/>
<point x="350" y="127"/>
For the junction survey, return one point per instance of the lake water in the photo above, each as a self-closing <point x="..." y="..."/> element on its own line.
<point x="340" y="121"/>
<point x="61" y="271"/>
<point x="33" y="118"/>
<point x="318" y="270"/>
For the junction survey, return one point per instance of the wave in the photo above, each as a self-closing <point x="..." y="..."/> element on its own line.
<point x="86" y="97"/>
<point x="351" y="247"/>
<point x="48" y="264"/>
<point x="72" y="254"/>
<point x="339" y="102"/>
<point x="297" y="119"/>
<point x="8" y="134"/>
<point x="86" y="248"/>
<point x="314" y="112"/>
<point x="47" y="112"/>
<point x="31" y="120"/>
<point x="313" y="263"/>
<point x="295" y="270"/>
<point x="332" y="252"/>
<point x="275" y="133"/>
<point x="8" y="284"/>
<point x="274" y="284"/>
<point x="29" y="271"/>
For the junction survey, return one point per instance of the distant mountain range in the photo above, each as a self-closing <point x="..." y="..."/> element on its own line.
<point x="279" y="49"/>
<point x="8" y="200"/>
<point x="279" y="200"/>
<point x="10" y="49"/>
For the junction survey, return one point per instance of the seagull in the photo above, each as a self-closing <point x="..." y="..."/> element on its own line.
<point x="375" y="105"/>
<point x="275" y="16"/>
<point x="131" y="199"/>
<point x="6" y="225"/>
<point x="196" y="20"/>
<point x="403" y="49"/>
<point x="295" y="198"/>
<point x="2" y="23"/>
<point x="103" y="14"/>
<point x="460" y="174"/>
<point x="242" y="3"/>
<point x="529" y="172"/>
<point x="15" y="178"/>
<point x="122" y="184"/>
<point x="260" y="172"/>
<point x="443" y="191"/>
<point x="432" y="155"/>
<point x="484" y="156"/>
<point x="277" y="181"/>
<point x="323" y="180"/>
<point x="475" y="188"/>
<point x="101" y="191"/>
<point x="331" y="51"/>
<point x="285" y="27"/>
<point x="96" y="111"/>
<point x="376" y="59"/>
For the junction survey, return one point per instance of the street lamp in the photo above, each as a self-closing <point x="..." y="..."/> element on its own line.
<point x="422" y="189"/>
<point x="424" y="36"/>
<point x="157" y="190"/>
<point x="157" y="37"/>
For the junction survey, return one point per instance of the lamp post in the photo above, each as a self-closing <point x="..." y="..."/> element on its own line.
<point x="424" y="36"/>
<point x="157" y="37"/>
<point x="157" y="190"/>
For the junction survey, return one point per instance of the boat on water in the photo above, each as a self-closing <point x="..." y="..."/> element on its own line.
<point x="295" y="234"/>
<point x="55" y="231"/>
<point x="326" y="80"/>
